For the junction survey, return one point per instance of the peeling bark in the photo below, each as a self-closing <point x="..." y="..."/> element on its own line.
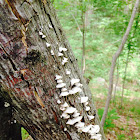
<point x="28" y="69"/>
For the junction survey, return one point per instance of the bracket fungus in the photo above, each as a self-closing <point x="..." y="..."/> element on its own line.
<point x="60" y="85"/>
<point x="84" y="99"/>
<point x="62" y="49"/>
<point x="58" y="77"/>
<point x="65" y="93"/>
<point x="48" y="45"/>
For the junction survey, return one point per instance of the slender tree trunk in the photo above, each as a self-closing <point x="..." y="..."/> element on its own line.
<point x="114" y="59"/>
<point x="33" y="52"/>
<point x="117" y="79"/>
<point x="83" y="39"/>
<point x="124" y="79"/>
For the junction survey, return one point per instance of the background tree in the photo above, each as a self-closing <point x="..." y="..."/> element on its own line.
<point x="35" y="58"/>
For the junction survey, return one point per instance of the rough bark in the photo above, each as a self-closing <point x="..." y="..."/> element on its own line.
<point x="114" y="59"/>
<point x="28" y="69"/>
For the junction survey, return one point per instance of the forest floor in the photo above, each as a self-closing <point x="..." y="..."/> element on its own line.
<point x="122" y="123"/>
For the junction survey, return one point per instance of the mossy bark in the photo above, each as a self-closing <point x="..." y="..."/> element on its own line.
<point x="28" y="69"/>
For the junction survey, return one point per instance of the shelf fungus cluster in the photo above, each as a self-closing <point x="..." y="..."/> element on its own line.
<point x="71" y="114"/>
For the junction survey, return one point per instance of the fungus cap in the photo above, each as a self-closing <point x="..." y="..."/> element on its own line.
<point x="60" y="85"/>
<point x="74" y="81"/>
<point x="70" y="110"/>
<point x="65" y="93"/>
<point x="84" y="99"/>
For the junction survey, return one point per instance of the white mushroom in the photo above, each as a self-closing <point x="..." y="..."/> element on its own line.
<point x="77" y="119"/>
<point x="67" y="72"/>
<point x="65" y="60"/>
<point x="58" y="77"/>
<point x="87" y="108"/>
<point x="74" y="120"/>
<point x="58" y="101"/>
<point x="94" y="129"/>
<point x="75" y="90"/>
<point x="62" y="49"/>
<point x="65" y="115"/>
<point x="60" y="85"/>
<point x="79" y="124"/>
<point x="47" y="44"/>
<point x="52" y="53"/>
<point x="86" y="103"/>
<point x="50" y="26"/>
<point x="65" y="93"/>
<point x="84" y="99"/>
<point x="62" y="108"/>
<point x="63" y="89"/>
<point x="86" y="128"/>
<point x="6" y="104"/>
<point x="43" y="36"/>
<point x="70" y="122"/>
<point x="90" y="117"/>
<point x="70" y="110"/>
<point x="65" y="129"/>
<point x="40" y="33"/>
<point x="74" y="81"/>
<point x="96" y="137"/>
<point x="78" y="84"/>
<point x="65" y="105"/>
<point x="59" y="81"/>
<point x="60" y="54"/>
<point x="76" y="114"/>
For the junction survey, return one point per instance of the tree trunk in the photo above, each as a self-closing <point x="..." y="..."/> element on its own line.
<point x="31" y="40"/>
<point x="114" y="59"/>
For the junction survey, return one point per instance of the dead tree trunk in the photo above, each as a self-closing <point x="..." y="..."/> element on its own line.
<point x="36" y="67"/>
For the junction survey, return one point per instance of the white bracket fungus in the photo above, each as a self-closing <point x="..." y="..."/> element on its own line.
<point x="87" y="108"/>
<point x="59" y="81"/>
<point x="70" y="110"/>
<point x="86" y="128"/>
<point x="62" y="49"/>
<point x="74" y="120"/>
<point x="96" y="137"/>
<point x="74" y="81"/>
<point x="50" y="26"/>
<point x="58" y="101"/>
<point x="52" y="53"/>
<point x="65" y="116"/>
<point x="65" y="105"/>
<point x="65" y="60"/>
<point x="84" y="99"/>
<point x="61" y="85"/>
<point x="60" y="54"/>
<point x="79" y="124"/>
<point x="43" y="36"/>
<point x="67" y="72"/>
<point x="40" y="33"/>
<point x="63" y="89"/>
<point x="58" y="77"/>
<point x="75" y="90"/>
<point x="6" y="104"/>
<point x="65" y="93"/>
<point x="90" y="117"/>
<point x="48" y="45"/>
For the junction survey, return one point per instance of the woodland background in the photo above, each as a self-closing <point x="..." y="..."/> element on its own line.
<point x="103" y="24"/>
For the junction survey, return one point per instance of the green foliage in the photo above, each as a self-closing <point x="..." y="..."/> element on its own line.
<point x="24" y="133"/>
<point x="121" y="137"/>
<point x="112" y="115"/>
